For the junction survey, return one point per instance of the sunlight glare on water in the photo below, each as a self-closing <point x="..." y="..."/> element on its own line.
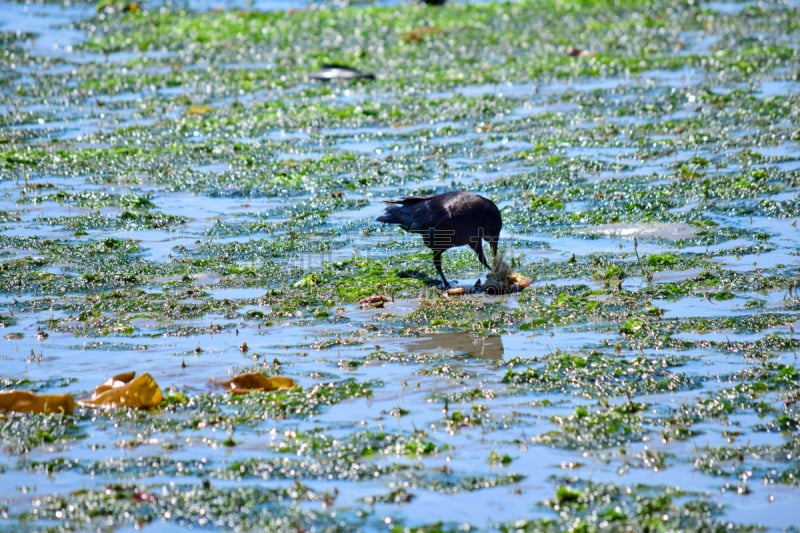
<point x="190" y="204"/>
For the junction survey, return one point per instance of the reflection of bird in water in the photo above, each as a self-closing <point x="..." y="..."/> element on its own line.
<point x="447" y="220"/>
<point x="490" y="347"/>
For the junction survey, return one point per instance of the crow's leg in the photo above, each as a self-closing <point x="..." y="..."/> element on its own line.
<point x="437" y="262"/>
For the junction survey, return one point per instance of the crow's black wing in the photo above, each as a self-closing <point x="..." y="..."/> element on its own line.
<point x="416" y="213"/>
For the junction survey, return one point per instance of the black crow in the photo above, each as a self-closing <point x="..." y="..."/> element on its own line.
<point x="447" y="220"/>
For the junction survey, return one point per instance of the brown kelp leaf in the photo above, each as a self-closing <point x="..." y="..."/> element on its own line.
<point x="23" y="401"/>
<point x="200" y="109"/>
<point x="418" y="35"/>
<point x="114" y="382"/>
<point x="244" y="383"/>
<point x="123" y="390"/>
<point x="455" y="291"/>
<point x="376" y="300"/>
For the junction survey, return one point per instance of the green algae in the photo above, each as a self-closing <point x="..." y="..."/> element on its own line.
<point x="126" y="220"/>
<point x="91" y="200"/>
<point x="590" y="506"/>
<point x="197" y="505"/>
<point x="471" y="314"/>
<point x="367" y="444"/>
<point x="598" y="139"/>
<point x="23" y="432"/>
<point x="759" y="463"/>
<point x="587" y="429"/>
<point x="595" y="375"/>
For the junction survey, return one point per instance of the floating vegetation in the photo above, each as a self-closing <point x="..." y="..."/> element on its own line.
<point x="595" y="375"/>
<point x="591" y="505"/>
<point x="178" y="195"/>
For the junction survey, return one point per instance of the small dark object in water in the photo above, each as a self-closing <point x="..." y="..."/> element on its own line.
<point x="447" y="220"/>
<point x="333" y="71"/>
<point x="376" y="300"/>
<point x="574" y="51"/>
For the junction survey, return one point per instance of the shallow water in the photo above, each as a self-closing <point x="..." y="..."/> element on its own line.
<point x="226" y="225"/>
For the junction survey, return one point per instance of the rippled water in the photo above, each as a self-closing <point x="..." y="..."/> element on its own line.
<point x="311" y="350"/>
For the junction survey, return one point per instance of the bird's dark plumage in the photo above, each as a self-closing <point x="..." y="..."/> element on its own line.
<point x="447" y="220"/>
